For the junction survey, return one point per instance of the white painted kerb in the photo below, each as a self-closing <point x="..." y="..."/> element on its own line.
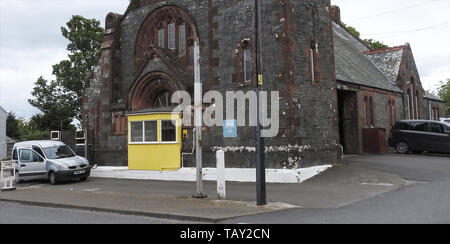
<point x="209" y="174"/>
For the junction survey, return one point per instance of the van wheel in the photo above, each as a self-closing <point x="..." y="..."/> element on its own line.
<point x="17" y="178"/>
<point x="52" y="178"/>
<point x="402" y="147"/>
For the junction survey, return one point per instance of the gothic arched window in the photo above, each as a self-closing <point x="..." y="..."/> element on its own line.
<point x="163" y="99"/>
<point x="172" y="33"/>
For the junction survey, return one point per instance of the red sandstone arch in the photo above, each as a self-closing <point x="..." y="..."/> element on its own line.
<point x="144" y="92"/>
<point x="143" y="45"/>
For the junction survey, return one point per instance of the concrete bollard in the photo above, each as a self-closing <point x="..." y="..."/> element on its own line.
<point x="221" y="185"/>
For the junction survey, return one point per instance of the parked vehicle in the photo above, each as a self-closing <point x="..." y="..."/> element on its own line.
<point x="446" y="120"/>
<point x="52" y="160"/>
<point x="420" y="135"/>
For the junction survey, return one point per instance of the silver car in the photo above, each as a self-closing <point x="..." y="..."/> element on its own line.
<point x="52" y="160"/>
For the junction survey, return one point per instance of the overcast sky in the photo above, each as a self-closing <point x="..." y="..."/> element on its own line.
<point x="31" y="42"/>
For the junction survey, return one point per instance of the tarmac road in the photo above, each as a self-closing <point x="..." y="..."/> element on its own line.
<point x="365" y="189"/>
<point x="426" y="200"/>
<point x="13" y="213"/>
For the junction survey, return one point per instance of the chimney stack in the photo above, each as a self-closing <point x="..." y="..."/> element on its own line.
<point x="335" y="13"/>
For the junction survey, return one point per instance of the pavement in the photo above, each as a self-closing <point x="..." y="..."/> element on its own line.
<point x="425" y="199"/>
<point x="342" y="185"/>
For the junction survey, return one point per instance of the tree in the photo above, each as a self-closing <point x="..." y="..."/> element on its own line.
<point x="85" y="38"/>
<point x="60" y="100"/>
<point x="55" y="103"/>
<point x="12" y="126"/>
<point x="444" y="93"/>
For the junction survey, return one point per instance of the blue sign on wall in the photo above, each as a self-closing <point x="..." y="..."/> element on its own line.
<point x="230" y="128"/>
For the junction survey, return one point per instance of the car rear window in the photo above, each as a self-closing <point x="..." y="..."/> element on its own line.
<point x="401" y="126"/>
<point x="437" y="128"/>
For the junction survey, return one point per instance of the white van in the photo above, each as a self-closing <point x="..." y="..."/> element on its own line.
<point x="52" y="160"/>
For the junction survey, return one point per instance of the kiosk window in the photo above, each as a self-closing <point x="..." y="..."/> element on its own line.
<point x="168" y="131"/>
<point x="151" y="131"/>
<point x="136" y="132"/>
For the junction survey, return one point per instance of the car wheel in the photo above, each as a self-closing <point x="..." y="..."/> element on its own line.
<point x="52" y="178"/>
<point x="17" y="178"/>
<point x="402" y="147"/>
<point x="83" y="179"/>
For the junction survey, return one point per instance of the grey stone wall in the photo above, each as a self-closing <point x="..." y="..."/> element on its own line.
<point x="309" y="132"/>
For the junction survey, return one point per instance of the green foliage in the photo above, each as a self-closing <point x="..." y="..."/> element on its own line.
<point x="444" y="93"/>
<point x="12" y="126"/>
<point x="85" y="38"/>
<point x="352" y="30"/>
<point x="55" y="103"/>
<point x="61" y="100"/>
<point x="375" y="44"/>
<point x="22" y="130"/>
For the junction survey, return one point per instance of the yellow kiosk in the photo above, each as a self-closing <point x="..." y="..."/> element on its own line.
<point x="154" y="140"/>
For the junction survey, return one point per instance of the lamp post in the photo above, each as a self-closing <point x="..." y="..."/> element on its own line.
<point x="260" y="167"/>
<point x="198" y="121"/>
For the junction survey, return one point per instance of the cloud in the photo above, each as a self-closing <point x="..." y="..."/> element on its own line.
<point x="31" y="43"/>
<point x="19" y="69"/>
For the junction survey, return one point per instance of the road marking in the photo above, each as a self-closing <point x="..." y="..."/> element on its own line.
<point x="33" y="186"/>
<point x="377" y="184"/>
<point x="92" y="190"/>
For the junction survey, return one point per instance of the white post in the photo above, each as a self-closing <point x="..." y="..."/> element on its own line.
<point x="221" y="185"/>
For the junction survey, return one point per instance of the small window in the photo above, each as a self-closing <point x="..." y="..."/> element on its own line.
<point x="421" y="127"/>
<point x="447" y="129"/>
<point x="168" y="131"/>
<point x="38" y="150"/>
<point x="151" y="131"/>
<point x="401" y="126"/>
<point x="136" y="132"/>
<point x="171" y="35"/>
<point x="437" y="128"/>
<point x="182" y="38"/>
<point x="15" y="157"/>
<point x="161" y="38"/>
<point x="28" y="156"/>
<point x="247" y="65"/>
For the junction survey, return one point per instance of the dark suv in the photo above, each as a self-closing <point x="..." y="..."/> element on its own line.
<point x="420" y="135"/>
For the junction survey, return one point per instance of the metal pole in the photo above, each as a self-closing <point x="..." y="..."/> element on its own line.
<point x="260" y="167"/>
<point x="198" y="104"/>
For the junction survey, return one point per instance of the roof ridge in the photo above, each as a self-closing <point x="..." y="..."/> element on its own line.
<point x="389" y="49"/>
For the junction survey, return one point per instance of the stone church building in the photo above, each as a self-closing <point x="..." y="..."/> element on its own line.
<point x="331" y="84"/>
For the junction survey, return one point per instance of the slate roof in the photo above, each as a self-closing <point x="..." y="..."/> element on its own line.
<point x="388" y="60"/>
<point x="431" y="96"/>
<point x="353" y="66"/>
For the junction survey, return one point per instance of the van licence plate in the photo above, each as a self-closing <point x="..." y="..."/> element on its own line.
<point x="79" y="172"/>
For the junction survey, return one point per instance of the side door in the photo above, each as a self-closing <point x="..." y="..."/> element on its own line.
<point x="31" y="164"/>
<point x="418" y="136"/>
